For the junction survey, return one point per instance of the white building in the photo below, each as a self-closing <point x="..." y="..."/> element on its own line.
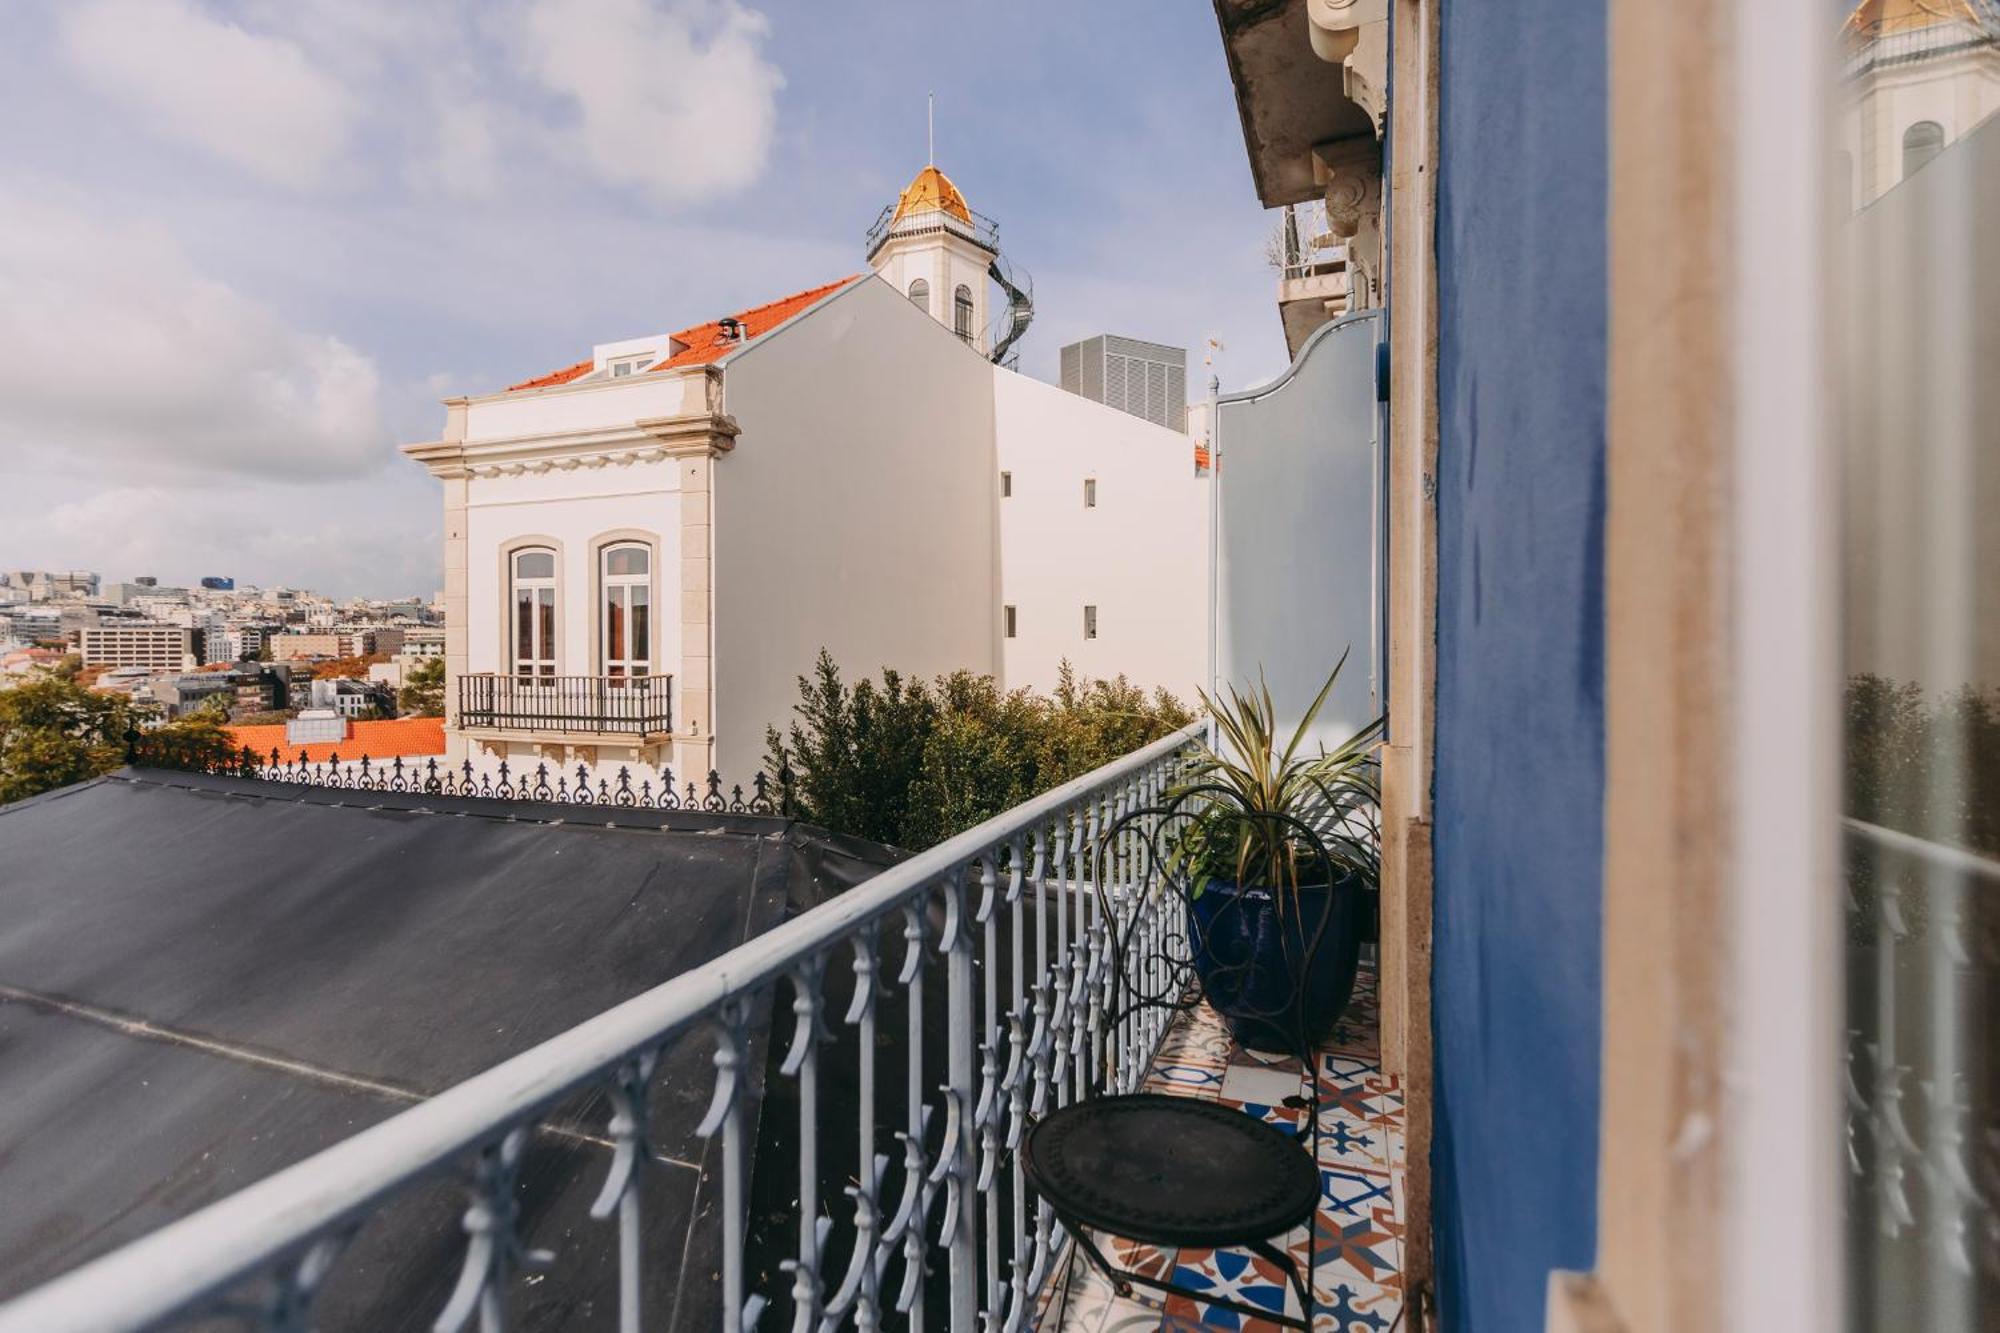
<point x="645" y="549"/>
<point x="1919" y="75"/>
<point x="159" y="647"/>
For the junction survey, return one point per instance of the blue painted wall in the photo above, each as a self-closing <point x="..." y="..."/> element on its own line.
<point x="1520" y="729"/>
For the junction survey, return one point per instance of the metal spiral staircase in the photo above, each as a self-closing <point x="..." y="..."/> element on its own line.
<point x="1020" y="311"/>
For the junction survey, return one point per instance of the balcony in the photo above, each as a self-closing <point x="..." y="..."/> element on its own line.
<point x="620" y="706"/>
<point x="887" y="1049"/>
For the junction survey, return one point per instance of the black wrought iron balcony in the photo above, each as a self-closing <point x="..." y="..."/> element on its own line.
<point x="623" y="705"/>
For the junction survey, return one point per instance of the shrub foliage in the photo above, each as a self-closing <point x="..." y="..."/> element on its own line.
<point x="909" y="762"/>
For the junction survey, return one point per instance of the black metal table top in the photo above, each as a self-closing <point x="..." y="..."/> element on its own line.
<point x="1170" y="1171"/>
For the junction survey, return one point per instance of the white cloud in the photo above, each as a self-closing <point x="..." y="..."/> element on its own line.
<point x="251" y="99"/>
<point x="679" y="101"/>
<point x="360" y="538"/>
<point x="115" y="351"/>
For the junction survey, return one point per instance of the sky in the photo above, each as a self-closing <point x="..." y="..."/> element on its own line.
<point x="247" y="245"/>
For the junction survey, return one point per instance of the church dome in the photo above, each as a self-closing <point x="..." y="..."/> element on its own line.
<point x="1882" y="18"/>
<point x="932" y="189"/>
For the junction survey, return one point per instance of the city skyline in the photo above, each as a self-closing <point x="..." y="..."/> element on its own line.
<point x="287" y="272"/>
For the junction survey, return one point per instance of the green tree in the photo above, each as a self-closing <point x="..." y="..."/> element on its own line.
<point x="54" y="732"/>
<point x="422" y="694"/>
<point x="198" y="742"/>
<point x="215" y="707"/>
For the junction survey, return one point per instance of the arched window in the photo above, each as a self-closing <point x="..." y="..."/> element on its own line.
<point x="534" y="576"/>
<point x="961" y="312"/>
<point x="1921" y="142"/>
<point x="625" y="577"/>
<point x="920" y="295"/>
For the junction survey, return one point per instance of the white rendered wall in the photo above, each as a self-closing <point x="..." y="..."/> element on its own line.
<point x="1140" y="556"/>
<point x="572" y="508"/>
<point x="601" y="404"/>
<point x="854" y="513"/>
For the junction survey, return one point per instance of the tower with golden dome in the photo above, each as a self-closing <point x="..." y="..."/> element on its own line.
<point x="1918" y="75"/>
<point x="930" y="246"/>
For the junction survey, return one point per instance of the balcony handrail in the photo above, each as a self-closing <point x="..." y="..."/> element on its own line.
<point x="287" y="1216"/>
<point x="516" y="701"/>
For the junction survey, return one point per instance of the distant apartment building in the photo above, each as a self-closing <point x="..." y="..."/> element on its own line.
<point x="181" y="695"/>
<point x="42" y="586"/>
<point x="1146" y="380"/>
<point x="125" y="594"/>
<point x="423" y="641"/>
<point x="257" y="694"/>
<point x="161" y="647"/>
<point x="327" y="643"/>
<point x="350" y="698"/>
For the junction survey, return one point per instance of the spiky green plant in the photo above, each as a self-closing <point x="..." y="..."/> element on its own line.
<point x="1260" y="813"/>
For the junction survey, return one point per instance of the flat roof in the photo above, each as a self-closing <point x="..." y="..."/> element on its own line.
<point x="205" y="979"/>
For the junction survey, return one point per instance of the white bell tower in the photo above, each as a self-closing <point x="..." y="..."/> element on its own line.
<point x="935" y="250"/>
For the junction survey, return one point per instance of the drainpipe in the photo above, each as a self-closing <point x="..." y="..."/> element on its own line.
<point x="1214" y="547"/>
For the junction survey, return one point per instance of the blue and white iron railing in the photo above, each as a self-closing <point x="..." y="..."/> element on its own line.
<point x="1028" y="1029"/>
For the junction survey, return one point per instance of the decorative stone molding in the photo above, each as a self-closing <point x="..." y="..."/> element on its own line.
<point x="1354" y="34"/>
<point x="1350" y="171"/>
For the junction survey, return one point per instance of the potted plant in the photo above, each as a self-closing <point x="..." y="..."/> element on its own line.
<point x="1277" y="851"/>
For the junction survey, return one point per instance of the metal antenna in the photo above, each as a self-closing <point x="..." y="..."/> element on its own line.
<point x="930" y="125"/>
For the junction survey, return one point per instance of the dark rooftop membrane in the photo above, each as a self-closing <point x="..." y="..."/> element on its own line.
<point x="204" y="980"/>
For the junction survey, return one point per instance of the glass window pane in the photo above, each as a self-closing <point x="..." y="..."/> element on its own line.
<point x="642" y="628"/>
<point x="627" y="560"/>
<point x="524" y="626"/>
<point x="535" y="565"/>
<point x="614" y="628"/>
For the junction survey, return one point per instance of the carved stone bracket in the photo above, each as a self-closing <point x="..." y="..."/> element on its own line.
<point x="1354" y="34"/>
<point x="1350" y="171"/>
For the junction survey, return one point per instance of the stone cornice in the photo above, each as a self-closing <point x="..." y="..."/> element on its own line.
<point x="651" y="440"/>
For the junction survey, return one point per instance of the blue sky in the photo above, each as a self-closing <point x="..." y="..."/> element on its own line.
<point x="245" y="247"/>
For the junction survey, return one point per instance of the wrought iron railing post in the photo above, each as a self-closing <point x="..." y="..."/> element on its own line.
<point x="962" y="1219"/>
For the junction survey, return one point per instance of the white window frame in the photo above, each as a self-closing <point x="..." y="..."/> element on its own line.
<point x="544" y="630"/>
<point x="616" y="597"/>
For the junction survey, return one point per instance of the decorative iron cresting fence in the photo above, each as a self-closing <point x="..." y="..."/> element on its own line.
<point x="1033" y="923"/>
<point x="767" y="795"/>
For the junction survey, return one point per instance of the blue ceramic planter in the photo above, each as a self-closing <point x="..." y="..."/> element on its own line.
<point x="1250" y="962"/>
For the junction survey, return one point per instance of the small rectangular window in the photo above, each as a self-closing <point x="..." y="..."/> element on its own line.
<point x="1007" y="620"/>
<point x="1006" y="484"/>
<point x="1089" y="622"/>
<point x="1090" y="492"/>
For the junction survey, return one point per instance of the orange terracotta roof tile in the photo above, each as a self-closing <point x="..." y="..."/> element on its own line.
<point x="404" y="737"/>
<point x="563" y="376"/>
<point x="703" y="344"/>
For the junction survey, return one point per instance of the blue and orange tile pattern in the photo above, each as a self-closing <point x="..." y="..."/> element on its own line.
<point x="1358" y="1278"/>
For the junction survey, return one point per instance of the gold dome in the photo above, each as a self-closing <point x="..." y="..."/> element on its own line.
<point x="1880" y="18"/>
<point x="932" y="189"/>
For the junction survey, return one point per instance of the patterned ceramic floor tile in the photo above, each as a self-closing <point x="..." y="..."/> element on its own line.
<point x="1252" y="1083"/>
<point x="1359" y="1231"/>
<point x="1239" y="1276"/>
<point x="1188" y="1080"/>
